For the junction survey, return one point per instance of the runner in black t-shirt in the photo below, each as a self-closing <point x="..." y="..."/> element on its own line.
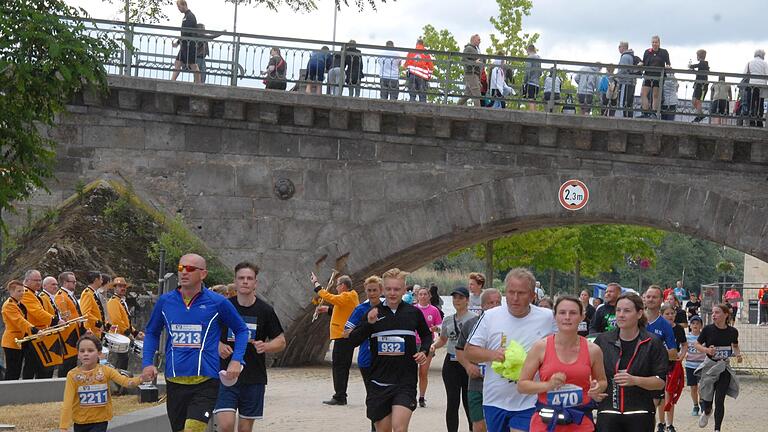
<point x="246" y="396"/>
<point x="656" y="57"/>
<point x="605" y="315"/>
<point x="588" y="315"/>
<point x="693" y="305"/>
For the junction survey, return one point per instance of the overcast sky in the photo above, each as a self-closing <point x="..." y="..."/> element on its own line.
<point x="586" y="30"/>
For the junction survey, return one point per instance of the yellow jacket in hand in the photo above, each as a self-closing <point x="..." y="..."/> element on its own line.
<point x="87" y="397"/>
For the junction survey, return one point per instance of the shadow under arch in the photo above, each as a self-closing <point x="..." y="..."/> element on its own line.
<point x="411" y="237"/>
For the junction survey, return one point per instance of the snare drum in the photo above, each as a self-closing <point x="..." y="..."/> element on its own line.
<point x="138" y="347"/>
<point x="117" y="343"/>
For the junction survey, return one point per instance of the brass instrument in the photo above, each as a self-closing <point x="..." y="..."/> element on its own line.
<point x="328" y="287"/>
<point x="50" y="330"/>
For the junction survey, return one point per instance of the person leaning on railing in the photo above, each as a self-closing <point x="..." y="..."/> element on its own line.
<point x="275" y="71"/>
<point x="418" y="67"/>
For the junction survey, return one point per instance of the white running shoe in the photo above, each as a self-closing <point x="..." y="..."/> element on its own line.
<point x="703" y="420"/>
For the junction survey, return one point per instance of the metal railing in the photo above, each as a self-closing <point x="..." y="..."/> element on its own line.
<point x="240" y="59"/>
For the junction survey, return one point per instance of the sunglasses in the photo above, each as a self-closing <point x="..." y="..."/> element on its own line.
<point x="188" y="268"/>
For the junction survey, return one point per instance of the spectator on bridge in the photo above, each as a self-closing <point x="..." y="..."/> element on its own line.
<point x="762" y="295"/>
<point x="188" y="49"/>
<point x="587" y="79"/>
<point x="275" y="70"/>
<point x="319" y="62"/>
<point x="335" y="79"/>
<point x="757" y="66"/>
<point x="498" y="84"/>
<point x="627" y="78"/>
<point x="389" y="73"/>
<point x="473" y="67"/>
<point x="657" y="57"/>
<point x="669" y="98"/>
<point x="721" y="97"/>
<point x="353" y="65"/>
<point x="531" y="77"/>
<point x="548" y="90"/>
<point x="202" y="49"/>
<point x="609" y="92"/>
<point x="701" y="84"/>
<point x="418" y="67"/>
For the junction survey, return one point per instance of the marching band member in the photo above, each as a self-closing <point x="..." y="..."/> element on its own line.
<point x="69" y="309"/>
<point x="39" y="317"/>
<point x="92" y="307"/>
<point x="117" y="309"/>
<point x="16" y="327"/>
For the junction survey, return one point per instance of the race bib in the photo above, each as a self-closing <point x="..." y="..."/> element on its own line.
<point x="583" y="326"/>
<point x="722" y="352"/>
<point x="567" y="396"/>
<point x="186" y="335"/>
<point x="92" y="395"/>
<point x="611" y="319"/>
<point x="252" y="327"/>
<point x="481" y="366"/>
<point x="452" y="357"/>
<point x="692" y="349"/>
<point x="391" y="345"/>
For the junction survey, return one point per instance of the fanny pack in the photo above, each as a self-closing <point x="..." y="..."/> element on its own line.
<point x="554" y="415"/>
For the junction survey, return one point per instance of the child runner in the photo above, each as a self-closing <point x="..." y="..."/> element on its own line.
<point x="719" y="341"/>
<point x="693" y="358"/>
<point x="87" y="401"/>
<point x="675" y="377"/>
<point x="434" y="321"/>
<point x="571" y="374"/>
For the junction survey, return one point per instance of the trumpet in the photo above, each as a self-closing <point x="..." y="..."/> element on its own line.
<point x="328" y="286"/>
<point x="50" y="330"/>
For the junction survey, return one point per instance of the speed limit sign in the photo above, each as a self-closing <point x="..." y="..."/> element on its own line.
<point x="573" y="195"/>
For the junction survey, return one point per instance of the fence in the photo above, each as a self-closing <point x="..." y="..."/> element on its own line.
<point x="240" y="59"/>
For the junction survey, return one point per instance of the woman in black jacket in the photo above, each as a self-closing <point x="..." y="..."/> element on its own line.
<point x="636" y="367"/>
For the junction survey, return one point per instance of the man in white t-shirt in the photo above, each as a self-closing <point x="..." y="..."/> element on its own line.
<point x="505" y="409"/>
<point x="476" y="285"/>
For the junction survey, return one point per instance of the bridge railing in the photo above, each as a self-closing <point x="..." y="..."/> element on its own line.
<point x="239" y="59"/>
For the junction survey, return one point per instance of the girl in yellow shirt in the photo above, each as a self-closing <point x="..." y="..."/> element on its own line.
<point x="87" y="401"/>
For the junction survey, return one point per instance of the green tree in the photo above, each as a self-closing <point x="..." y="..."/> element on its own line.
<point x="44" y="61"/>
<point x="509" y="23"/>
<point x="448" y="70"/>
<point x="582" y="250"/>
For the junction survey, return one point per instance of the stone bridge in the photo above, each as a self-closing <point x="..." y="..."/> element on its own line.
<point x="394" y="183"/>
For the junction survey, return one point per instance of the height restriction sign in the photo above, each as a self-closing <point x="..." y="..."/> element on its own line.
<point x="573" y="195"/>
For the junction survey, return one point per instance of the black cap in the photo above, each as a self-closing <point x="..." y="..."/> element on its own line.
<point x="463" y="291"/>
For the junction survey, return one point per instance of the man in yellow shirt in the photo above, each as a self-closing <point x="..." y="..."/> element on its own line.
<point x="91" y="306"/>
<point x="343" y="304"/>
<point x="39" y="317"/>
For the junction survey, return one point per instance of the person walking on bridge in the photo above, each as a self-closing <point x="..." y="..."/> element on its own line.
<point x="187" y="48"/>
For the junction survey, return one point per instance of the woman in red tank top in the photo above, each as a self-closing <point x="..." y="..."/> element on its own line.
<point x="571" y="374"/>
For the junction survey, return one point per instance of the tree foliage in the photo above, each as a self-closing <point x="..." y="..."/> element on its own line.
<point x="44" y="61"/>
<point x="509" y="23"/>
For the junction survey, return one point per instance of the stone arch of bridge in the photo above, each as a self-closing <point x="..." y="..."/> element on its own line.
<point x="411" y="237"/>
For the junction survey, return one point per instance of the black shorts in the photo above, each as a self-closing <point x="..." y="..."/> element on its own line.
<point x="699" y="90"/>
<point x="190" y="401"/>
<point x="690" y="377"/>
<point x="719" y="106"/>
<point x="648" y="82"/>
<point x="91" y="427"/>
<point x="187" y="53"/>
<point x="547" y="95"/>
<point x="585" y="99"/>
<point x="381" y="399"/>
<point x="530" y="91"/>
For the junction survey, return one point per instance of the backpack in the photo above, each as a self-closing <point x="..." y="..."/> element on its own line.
<point x="635" y="61"/>
<point x="613" y="90"/>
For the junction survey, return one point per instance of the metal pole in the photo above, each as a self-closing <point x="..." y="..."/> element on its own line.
<point x="125" y="67"/>
<point x="234" y="25"/>
<point x="661" y="95"/>
<point x="235" y="60"/>
<point x="342" y="74"/>
<point x="335" y="13"/>
<point x="161" y="273"/>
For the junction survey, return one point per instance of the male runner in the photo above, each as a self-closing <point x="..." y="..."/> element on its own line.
<point x="391" y="328"/>
<point x="193" y="317"/>
<point x="662" y="329"/>
<point x="605" y="316"/>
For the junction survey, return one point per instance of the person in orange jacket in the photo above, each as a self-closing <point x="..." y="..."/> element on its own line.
<point x="344" y="304"/>
<point x="118" y="312"/>
<point x="16" y="327"/>
<point x="92" y="307"/>
<point x="69" y="308"/>
<point x="418" y="67"/>
<point x="39" y="317"/>
<point x="762" y="295"/>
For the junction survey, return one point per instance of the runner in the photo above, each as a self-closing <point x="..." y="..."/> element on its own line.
<point x="16" y="327"/>
<point x="476" y="285"/>
<point x="588" y="315"/>
<point x="676" y="375"/>
<point x="373" y="292"/>
<point x="193" y="316"/>
<point x="570" y="374"/>
<point x="491" y="298"/>
<point x="455" y="376"/>
<point x="605" y="315"/>
<point x="246" y="396"/>
<point x="87" y="401"/>
<point x="434" y="320"/>
<point x="504" y="407"/>
<point x="636" y="365"/>
<point x="719" y="341"/>
<point x="693" y="359"/>
<point x="392" y="327"/>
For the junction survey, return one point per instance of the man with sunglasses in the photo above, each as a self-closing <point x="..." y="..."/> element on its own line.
<point x="194" y="317"/>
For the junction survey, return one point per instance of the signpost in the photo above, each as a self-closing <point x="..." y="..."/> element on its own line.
<point x="573" y="195"/>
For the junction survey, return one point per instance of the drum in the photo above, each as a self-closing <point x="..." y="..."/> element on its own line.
<point x="138" y="347"/>
<point x="117" y="343"/>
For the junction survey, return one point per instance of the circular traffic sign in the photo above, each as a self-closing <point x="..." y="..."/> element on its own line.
<point x="573" y="195"/>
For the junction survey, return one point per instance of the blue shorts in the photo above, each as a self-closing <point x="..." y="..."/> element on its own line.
<point x="246" y="399"/>
<point x="690" y="378"/>
<point x="500" y="420"/>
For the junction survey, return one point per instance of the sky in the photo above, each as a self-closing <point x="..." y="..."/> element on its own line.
<point x="584" y="30"/>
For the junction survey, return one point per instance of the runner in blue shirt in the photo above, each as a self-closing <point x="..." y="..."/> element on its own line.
<point x="662" y="329"/>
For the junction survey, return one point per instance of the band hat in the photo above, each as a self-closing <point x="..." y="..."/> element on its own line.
<point x="119" y="281"/>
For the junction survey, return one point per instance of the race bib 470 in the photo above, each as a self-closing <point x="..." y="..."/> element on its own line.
<point x="186" y="335"/>
<point x="567" y="396"/>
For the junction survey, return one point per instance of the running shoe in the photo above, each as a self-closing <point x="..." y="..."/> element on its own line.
<point x="422" y="402"/>
<point x="695" y="412"/>
<point x="661" y="427"/>
<point x="703" y="420"/>
<point x="671" y="428"/>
